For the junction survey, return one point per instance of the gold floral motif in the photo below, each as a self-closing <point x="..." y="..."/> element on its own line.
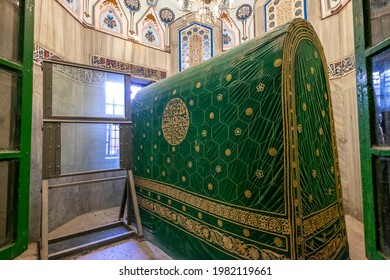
<point x="231" y="244"/>
<point x="198" y="85"/>
<point x="312" y="70"/>
<point x="163" y="173"/>
<point x="183" y="178"/>
<point x="320" y="220"/>
<point x="159" y="197"/>
<point x="326" y="96"/>
<point x="189" y="164"/>
<point x="175" y="121"/>
<point x="191" y="102"/>
<point x="310" y="198"/>
<point x="151" y="158"/>
<point x="317" y="152"/>
<point x="228" y="152"/>
<point x="174" y="92"/>
<point x="323" y="113"/>
<point x="272" y="152"/>
<point x="220" y="223"/>
<point x="320" y="131"/>
<point x="168" y="160"/>
<point x="173" y="149"/>
<point x="331" y="248"/>
<point x="315" y="54"/>
<point x="248" y="111"/>
<point x="278" y="242"/>
<point x="169" y="202"/>
<point x="210" y="186"/>
<point x="229" y="77"/>
<point x="277" y="62"/>
<point x="308" y="87"/>
<point x="248" y="194"/>
<point x="241" y="216"/>
<point x="246" y="232"/>
<point x="314" y="173"/>
<point x="312" y="243"/>
<point x="148" y="170"/>
<point x="204" y="133"/>
<point x="197" y="148"/>
<point x="260" y="87"/>
<point x="304" y="106"/>
<point x="211" y="115"/>
<point x="155" y="146"/>
<point x="237" y="131"/>
<point x="184" y="208"/>
<point x="332" y="170"/>
<point x="200" y="216"/>
<point x="218" y="169"/>
<point x="259" y="173"/>
<point x="299" y="128"/>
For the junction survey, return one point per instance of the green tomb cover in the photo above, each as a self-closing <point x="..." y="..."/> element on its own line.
<point x="236" y="158"/>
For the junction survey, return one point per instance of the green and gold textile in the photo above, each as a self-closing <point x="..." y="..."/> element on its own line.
<point x="237" y="157"/>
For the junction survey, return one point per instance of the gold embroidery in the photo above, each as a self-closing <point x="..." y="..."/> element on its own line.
<point x="184" y="208"/>
<point x="277" y="62"/>
<point x="189" y="164"/>
<point x="220" y="224"/>
<point x="229" y="77"/>
<point x="210" y="186"/>
<point x="312" y="70"/>
<point x="314" y="173"/>
<point x="219" y="97"/>
<point x="151" y="158"/>
<point x="331" y="248"/>
<point x="148" y="170"/>
<point x="138" y="157"/>
<point x="163" y="173"/>
<point x="218" y="169"/>
<point x="308" y="87"/>
<point x="278" y="225"/>
<point x="323" y="113"/>
<point x="320" y="220"/>
<point x="272" y="152"/>
<point x="184" y="178"/>
<point x="249" y="111"/>
<point x="174" y="92"/>
<point x="248" y="194"/>
<point x="246" y="232"/>
<point x="259" y="173"/>
<point x="320" y="131"/>
<point x="200" y="216"/>
<point x="155" y="146"/>
<point x="173" y="149"/>
<point x="191" y="102"/>
<point x="304" y="106"/>
<point x="159" y="133"/>
<point x="159" y="197"/>
<point x="198" y="85"/>
<point x="278" y="242"/>
<point x="204" y="133"/>
<point x="326" y="96"/>
<point x="237" y="131"/>
<point x="211" y="115"/>
<point x="169" y="201"/>
<point x="228" y="152"/>
<point x="310" y="198"/>
<point x="231" y="244"/>
<point x="317" y="152"/>
<point x="197" y="148"/>
<point x="175" y="121"/>
<point x="299" y="128"/>
<point x="168" y="160"/>
<point x="315" y="54"/>
<point x="260" y="87"/>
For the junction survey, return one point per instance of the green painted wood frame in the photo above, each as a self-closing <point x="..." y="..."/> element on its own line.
<point x="24" y="69"/>
<point x="364" y="51"/>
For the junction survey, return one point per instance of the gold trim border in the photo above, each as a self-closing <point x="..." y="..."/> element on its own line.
<point x="259" y="221"/>
<point x="320" y="220"/>
<point x="233" y="245"/>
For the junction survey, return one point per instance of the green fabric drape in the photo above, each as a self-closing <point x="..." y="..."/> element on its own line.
<point x="236" y="157"/>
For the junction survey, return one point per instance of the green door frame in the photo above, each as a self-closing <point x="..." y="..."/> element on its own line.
<point x="364" y="51"/>
<point x="24" y="69"/>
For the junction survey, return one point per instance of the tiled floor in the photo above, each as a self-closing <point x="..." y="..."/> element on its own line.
<point x="144" y="250"/>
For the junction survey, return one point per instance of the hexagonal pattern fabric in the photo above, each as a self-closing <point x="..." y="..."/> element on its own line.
<point x="236" y="157"/>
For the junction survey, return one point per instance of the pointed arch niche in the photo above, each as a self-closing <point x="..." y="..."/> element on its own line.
<point x="150" y="30"/>
<point x="109" y="17"/>
<point x="74" y="7"/>
<point x="230" y="32"/>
